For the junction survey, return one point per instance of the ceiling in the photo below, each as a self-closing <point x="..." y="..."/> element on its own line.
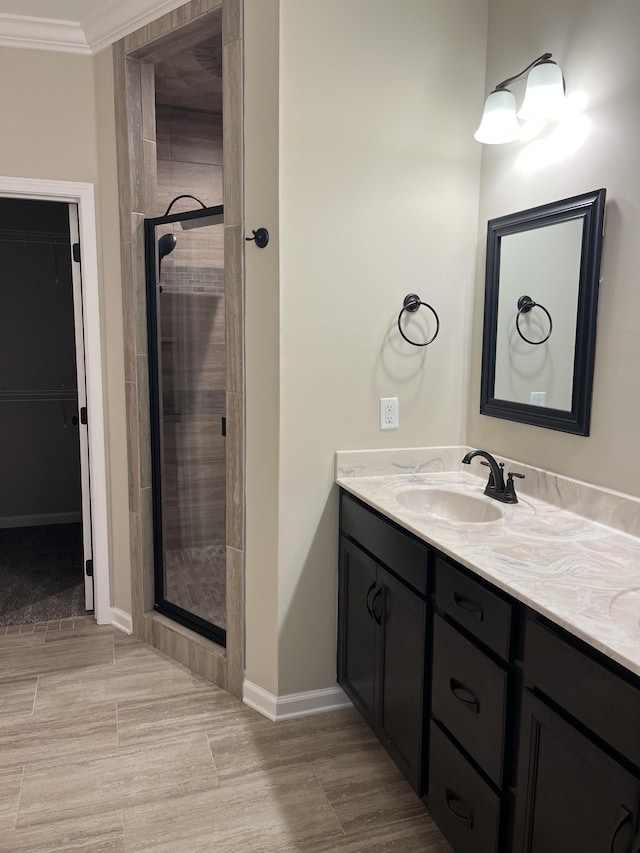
<point x="75" y="26"/>
<point x="63" y="10"/>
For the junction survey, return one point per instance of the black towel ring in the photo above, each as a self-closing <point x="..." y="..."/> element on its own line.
<point x="411" y="304"/>
<point x="525" y="304"/>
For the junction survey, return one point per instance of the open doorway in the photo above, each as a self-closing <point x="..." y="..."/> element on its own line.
<point x="45" y="519"/>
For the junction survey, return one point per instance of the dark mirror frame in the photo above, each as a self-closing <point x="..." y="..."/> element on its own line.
<point x="590" y="208"/>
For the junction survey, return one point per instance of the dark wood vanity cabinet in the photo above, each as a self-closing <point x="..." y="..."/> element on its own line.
<point x="471" y="687"/>
<point x="578" y="785"/>
<point x="381" y="633"/>
<point x="519" y="737"/>
<point x="572" y="796"/>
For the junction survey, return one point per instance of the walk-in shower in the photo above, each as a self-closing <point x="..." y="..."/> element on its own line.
<point x="187" y="363"/>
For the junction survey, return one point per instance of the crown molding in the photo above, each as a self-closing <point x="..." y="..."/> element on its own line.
<point x="117" y="19"/>
<point x="42" y="34"/>
<point x="113" y="21"/>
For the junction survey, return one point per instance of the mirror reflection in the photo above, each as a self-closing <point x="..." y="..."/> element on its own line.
<point x="543" y="268"/>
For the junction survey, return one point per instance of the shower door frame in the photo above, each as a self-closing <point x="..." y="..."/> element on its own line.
<point x="161" y="604"/>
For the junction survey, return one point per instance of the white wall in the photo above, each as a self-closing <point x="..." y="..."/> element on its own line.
<point x="596" y="45"/>
<point x="378" y="195"/>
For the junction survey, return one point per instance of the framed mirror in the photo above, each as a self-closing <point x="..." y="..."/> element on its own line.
<point x="541" y="297"/>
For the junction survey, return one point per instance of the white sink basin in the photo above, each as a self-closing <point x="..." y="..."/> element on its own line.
<point x="448" y="506"/>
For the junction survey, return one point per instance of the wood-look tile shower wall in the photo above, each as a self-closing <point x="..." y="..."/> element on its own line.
<point x="133" y="58"/>
<point x="190" y="158"/>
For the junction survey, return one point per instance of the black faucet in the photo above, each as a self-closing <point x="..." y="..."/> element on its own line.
<point x="496" y="487"/>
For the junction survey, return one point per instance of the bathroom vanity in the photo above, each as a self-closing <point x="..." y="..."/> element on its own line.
<point x="511" y="702"/>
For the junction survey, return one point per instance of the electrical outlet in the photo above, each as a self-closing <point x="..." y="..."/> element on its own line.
<point x="389" y="413"/>
<point x="538" y="398"/>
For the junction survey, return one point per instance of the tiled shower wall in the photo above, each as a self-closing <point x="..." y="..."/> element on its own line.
<point x="182" y="279"/>
<point x="137" y="168"/>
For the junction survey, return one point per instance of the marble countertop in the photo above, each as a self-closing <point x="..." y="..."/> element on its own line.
<point x="582" y="574"/>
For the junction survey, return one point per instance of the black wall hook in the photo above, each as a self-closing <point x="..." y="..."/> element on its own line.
<point x="261" y="236"/>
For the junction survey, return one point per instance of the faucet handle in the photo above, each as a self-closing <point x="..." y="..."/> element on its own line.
<point x="510" y="488"/>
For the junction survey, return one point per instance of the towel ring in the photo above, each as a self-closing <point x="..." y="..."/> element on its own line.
<point x="412" y="303"/>
<point x="525" y="304"/>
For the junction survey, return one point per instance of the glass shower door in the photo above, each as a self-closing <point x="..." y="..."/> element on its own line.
<point x="187" y="358"/>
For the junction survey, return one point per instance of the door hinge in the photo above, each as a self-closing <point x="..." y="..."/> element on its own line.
<point x="224" y="426"/>
<point x="83" y="415"/>
<point x="76" y="252"/>
<point x="88" y="568"/>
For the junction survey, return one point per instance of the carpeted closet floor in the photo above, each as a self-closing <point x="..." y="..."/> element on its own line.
<point x="41" y="573"/>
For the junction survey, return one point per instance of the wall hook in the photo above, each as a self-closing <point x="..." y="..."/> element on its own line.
<point x="261" y="236"/>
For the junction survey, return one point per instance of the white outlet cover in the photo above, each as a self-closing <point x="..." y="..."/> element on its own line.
<point x="389" y="413"/>
<point x="538" y="398"/>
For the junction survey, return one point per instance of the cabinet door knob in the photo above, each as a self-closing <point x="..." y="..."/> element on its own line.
<point x="450" y="798"/>
<point x="464" y="695"/>
<point x="468" y="605"/>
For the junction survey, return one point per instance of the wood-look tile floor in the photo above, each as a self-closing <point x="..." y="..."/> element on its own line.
<point x="107" y="745"/>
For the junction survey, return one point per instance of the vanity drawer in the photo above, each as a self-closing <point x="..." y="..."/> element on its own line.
<point x="483" y="613"/>
<point x="602" y="700"/>
<point x="469" y="697"/>
<point x="405" y="556"/>
<point x="460" y="801"/>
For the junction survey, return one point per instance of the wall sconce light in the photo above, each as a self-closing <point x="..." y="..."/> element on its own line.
<point x="543" y="99"/>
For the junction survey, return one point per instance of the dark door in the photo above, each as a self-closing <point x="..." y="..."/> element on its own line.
<point x="402" y="678"/>
<point x="571" y="796"/>
<point x="358" y="630"/>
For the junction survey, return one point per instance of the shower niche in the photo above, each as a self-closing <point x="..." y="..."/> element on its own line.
<point x="188" y="369"/>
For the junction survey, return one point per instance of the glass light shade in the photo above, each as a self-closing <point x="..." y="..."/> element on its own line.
<point x="499" y="123"/>
<point x="544" y="97"/>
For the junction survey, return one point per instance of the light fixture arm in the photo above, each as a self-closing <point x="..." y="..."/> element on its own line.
<point x="544" y="58"/>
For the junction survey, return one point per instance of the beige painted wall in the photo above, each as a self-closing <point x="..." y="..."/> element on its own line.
<point x="596" y="45"/>
<point x="378" y="194"/>
<point x="262" y="348"/>
<point x="57" y="124"/>
<point x="48" y="115"/>
<point x="113" y="341"/>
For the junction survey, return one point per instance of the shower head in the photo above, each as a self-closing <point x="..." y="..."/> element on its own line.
<point x="166" y="245"/>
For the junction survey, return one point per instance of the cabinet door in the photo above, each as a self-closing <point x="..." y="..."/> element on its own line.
<point x="358" y="649"/>
<point x="402" y="615"/>
<point x="571" y="796"/>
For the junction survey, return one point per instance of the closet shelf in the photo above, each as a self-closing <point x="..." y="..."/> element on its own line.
<point x="45" y="395"/>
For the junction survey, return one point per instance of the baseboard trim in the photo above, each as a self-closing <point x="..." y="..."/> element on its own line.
<point x="41" y="519"/>
<point x="287" y="707"/>
<point x="121" y="620"/>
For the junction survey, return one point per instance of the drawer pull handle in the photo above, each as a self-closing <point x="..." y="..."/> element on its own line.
<point x="624" y="816"/>
<point x="464" y="695"/>
<point x="450" y="798"/>
<point x="369" y="591"/>
<point x="377" y="614"/>
<point x="468" y="605"/>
